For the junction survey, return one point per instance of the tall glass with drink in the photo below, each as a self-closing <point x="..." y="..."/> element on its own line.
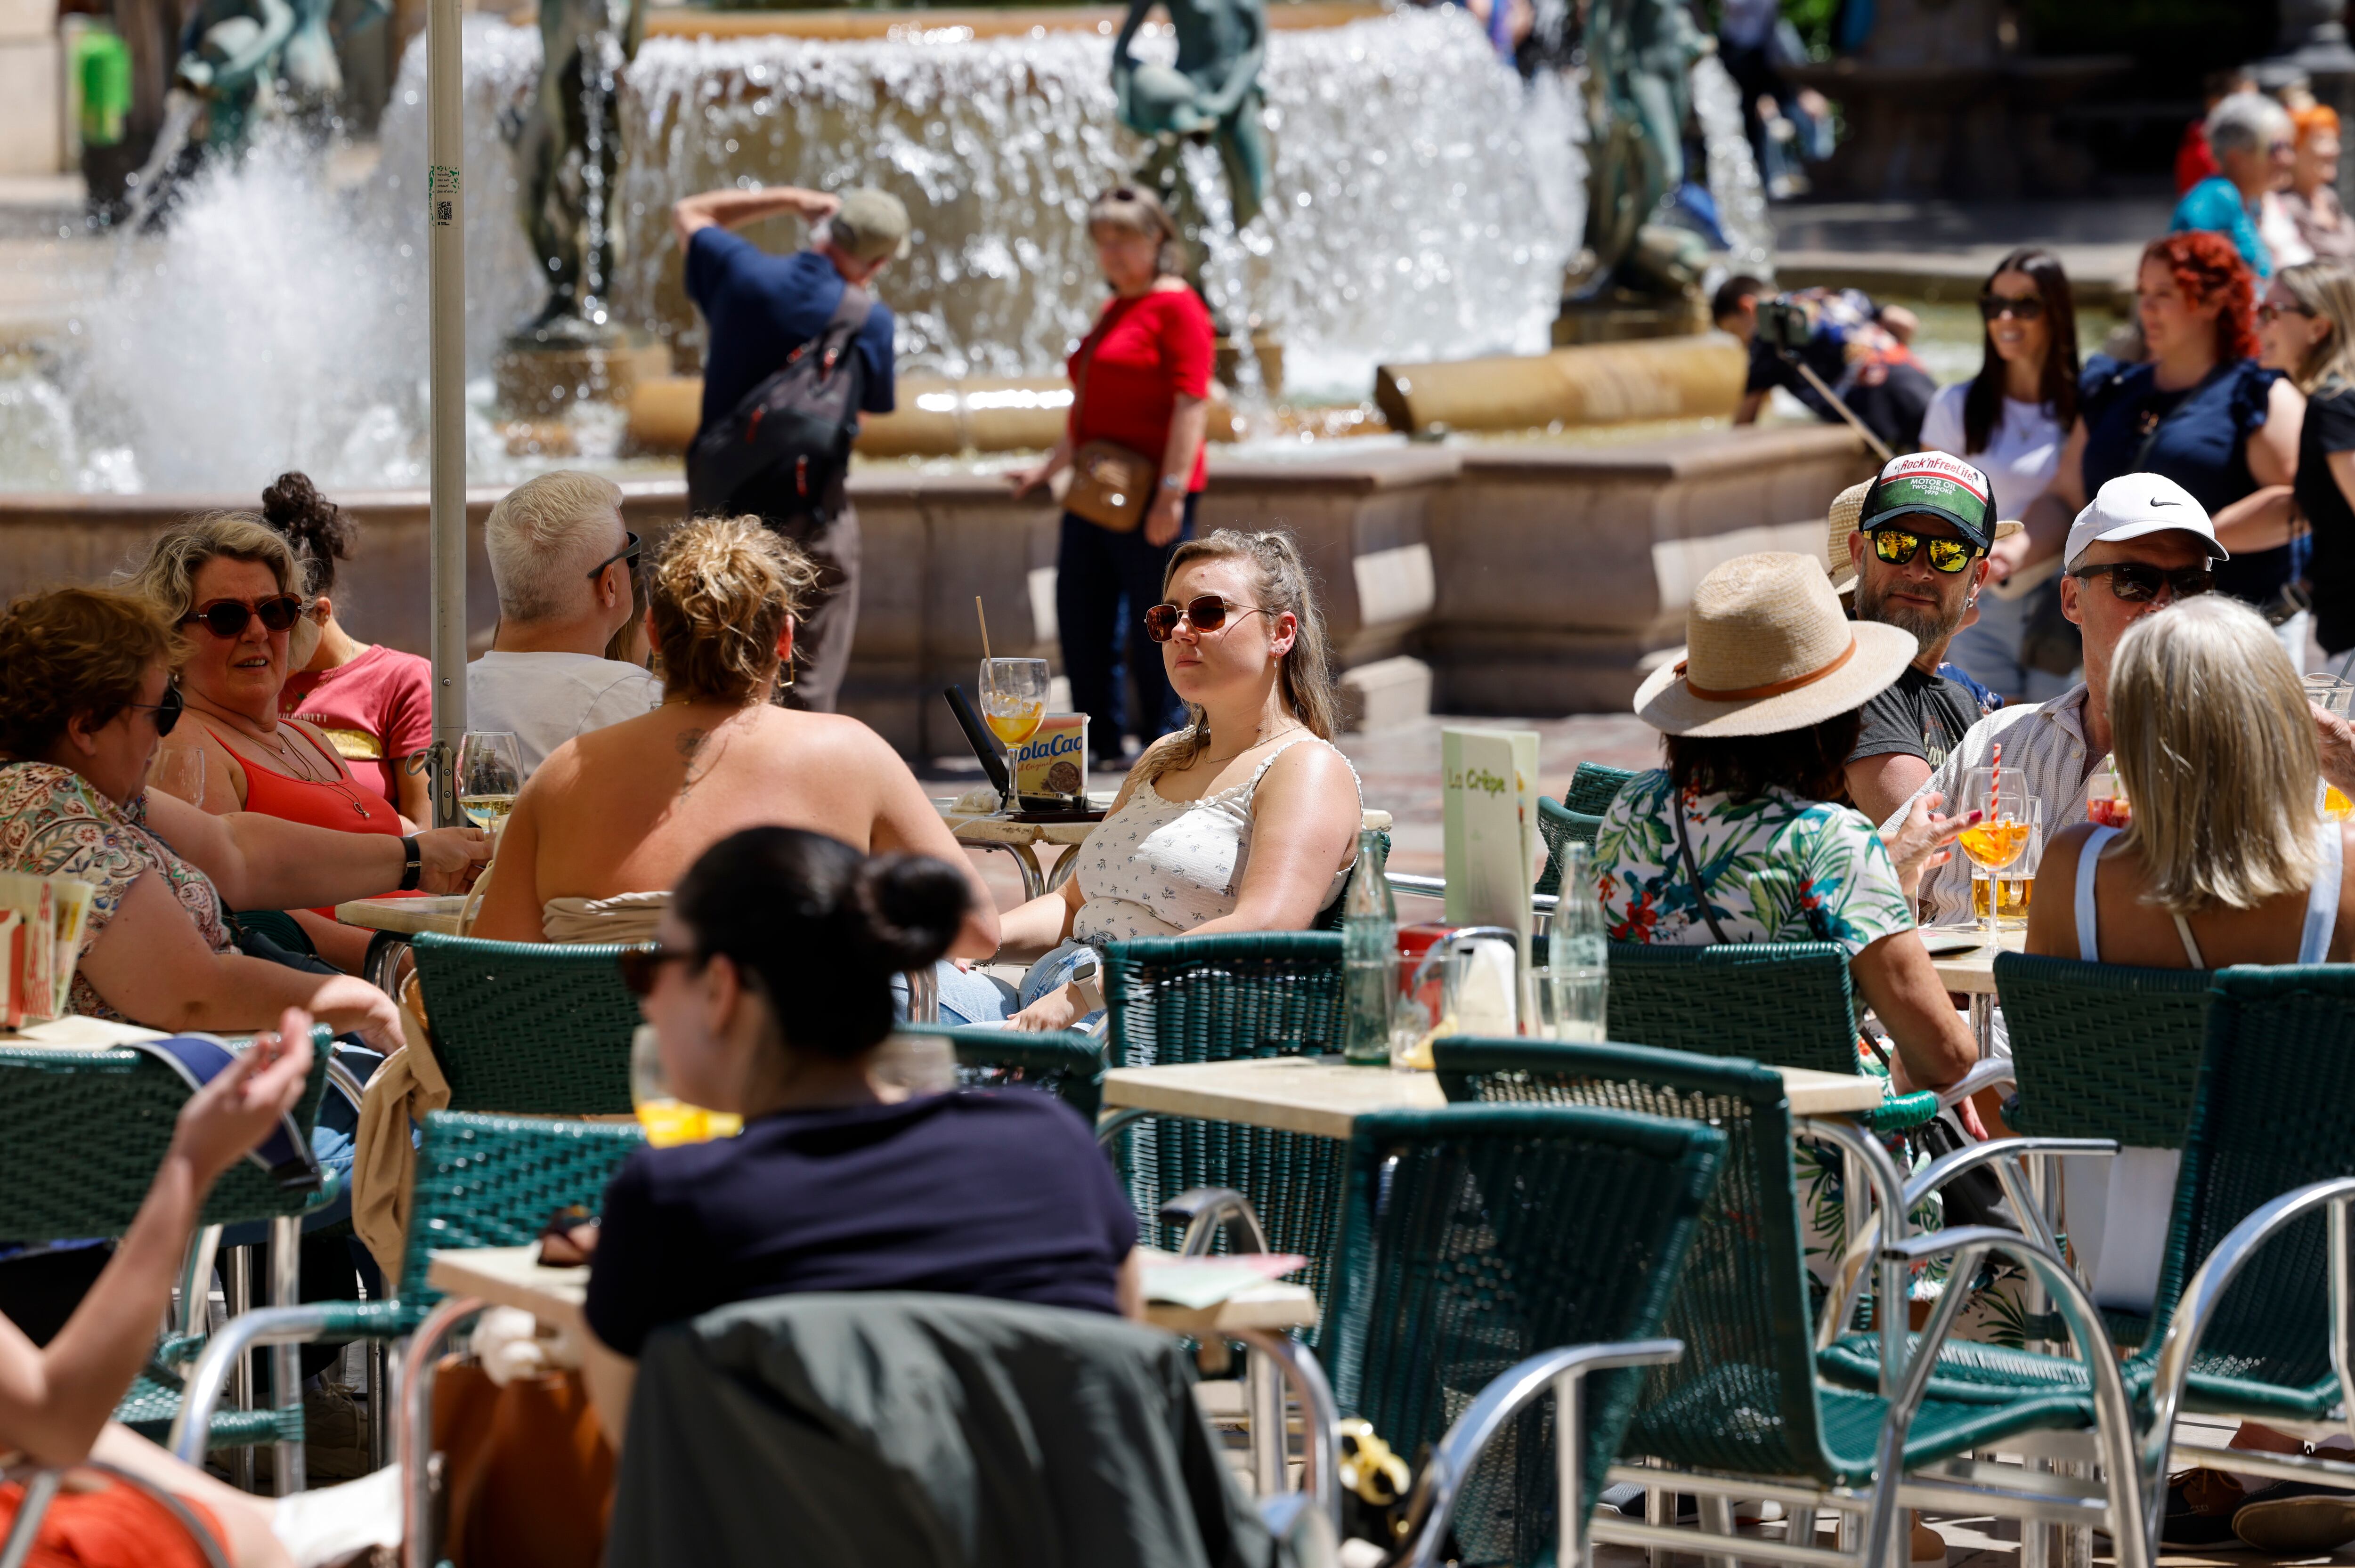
<point x="2106" y="798"/>
<point x="2007" y="821"/>
<point x="2006" y="894"/>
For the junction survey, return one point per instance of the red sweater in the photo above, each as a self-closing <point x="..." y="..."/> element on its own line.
<point x="1141" y="355"/>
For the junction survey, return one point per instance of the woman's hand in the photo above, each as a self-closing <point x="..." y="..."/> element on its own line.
<point x="1026" y="479"/>
<point x="1166" y="517"/>
<point x="2006" y="555"/>
<point x="1920" y="842"/>
<point x="448" y="858"/>
<point x="349" y="1005"/>
<point x="1058" y="1009"/>
<point x="239" y="1108"/>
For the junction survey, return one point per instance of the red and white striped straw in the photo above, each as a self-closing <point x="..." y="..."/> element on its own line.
<point x="1995" y="787"/>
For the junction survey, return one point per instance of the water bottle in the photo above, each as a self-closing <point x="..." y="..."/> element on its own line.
<point x="1577" y="976"/>
<point x="1369" y="957"/>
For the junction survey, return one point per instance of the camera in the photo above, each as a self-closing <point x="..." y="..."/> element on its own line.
<point x="1783" y="324"/>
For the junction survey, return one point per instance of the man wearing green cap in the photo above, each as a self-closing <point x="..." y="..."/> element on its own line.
<point x="757" y="309"/>
<point x="1920" y="554"/>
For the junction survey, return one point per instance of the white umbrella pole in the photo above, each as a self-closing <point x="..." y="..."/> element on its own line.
<point x="445" y="238"/>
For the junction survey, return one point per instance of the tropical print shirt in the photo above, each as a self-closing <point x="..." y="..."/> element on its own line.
<point x="1776" y="869"/>
<point x="55" y="821"/>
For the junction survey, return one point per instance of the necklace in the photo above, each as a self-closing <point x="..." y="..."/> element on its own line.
<point x="1257" y="740"/>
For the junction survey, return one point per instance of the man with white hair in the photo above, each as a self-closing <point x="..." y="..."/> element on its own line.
<point x="2255" y="145"/>
<point x="563" y="563"/>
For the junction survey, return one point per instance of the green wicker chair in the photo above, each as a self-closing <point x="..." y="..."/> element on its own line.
<point x="1745" y="1401"/>
<point x="81" y="1136"/>
<point x="1068" y="1065"/>
<point x="1221" y="998"/>
<point x="537" y="1027"/>
<point x="1592" y="788"/>
<point x="1558" y="825"/>
<point x="1790" y="1003"/>
<point x="1468" y="1271"/>
<point x="481" y="1181"/>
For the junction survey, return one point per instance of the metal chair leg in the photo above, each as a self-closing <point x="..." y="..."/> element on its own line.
<point x="286" y="1468"/>
<point x="237" y="1297"/>
<point x="1263" y="1398"/>
<point x="1717" y="1519"/>
<point x="417" y="1547"/>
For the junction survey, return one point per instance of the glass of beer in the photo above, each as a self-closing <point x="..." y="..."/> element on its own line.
<point x="2009" y="890"/>
<point x="1013" y="698"/>
<point x="2007" y="822"/>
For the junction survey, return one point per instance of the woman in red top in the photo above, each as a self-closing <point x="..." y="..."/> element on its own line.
<point x="376" y="703"/>
<point x="1144" y="379"/>
<point x="230" y="584"/>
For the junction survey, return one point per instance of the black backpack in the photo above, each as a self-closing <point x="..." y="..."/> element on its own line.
<point x="791" y="433"/>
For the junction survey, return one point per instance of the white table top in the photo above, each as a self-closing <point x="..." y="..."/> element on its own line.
<point x="407" y="916"/>
<point x="1323" y="1096"/>
<point x="514" y="1276"/>
<point x="1973" y="973"/>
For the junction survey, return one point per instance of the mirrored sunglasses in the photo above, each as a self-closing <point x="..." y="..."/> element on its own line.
<point x="1897" y="547"/>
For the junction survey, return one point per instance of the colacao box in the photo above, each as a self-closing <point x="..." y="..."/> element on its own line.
<point x="1054" y="760"/>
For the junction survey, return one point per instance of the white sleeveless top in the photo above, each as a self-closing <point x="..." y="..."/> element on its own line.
<point x="1159" y="868"/>
<point x="2118" y="1208"/>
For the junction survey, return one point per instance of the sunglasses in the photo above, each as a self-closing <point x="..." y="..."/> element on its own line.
<point x="2138" y="582"/>
<point x="641" y="967"/>
<point x="167" y="712"/>
<point x="227" y="617"/>
<point x="1898" y="548"/>
<point x="628" y="552"/>
<point x="2270" y="312"/>
<point x="1207" y="613"/>
<point x="1995" y="307"/>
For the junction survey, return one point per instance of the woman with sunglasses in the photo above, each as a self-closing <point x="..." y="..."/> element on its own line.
<point x="86" y="699"/>
<point x="376" y="703"/>
<point x="2200" y="412"/>
<point x="2010" y="421"/>
<point x="231" y="584"/>
<point x="1142" y="382"/>
<point x="2307" y="324"/>
<point x="1244" y="820"/>
<point x="769" y="991"/>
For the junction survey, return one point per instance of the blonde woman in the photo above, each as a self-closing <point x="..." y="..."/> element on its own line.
<point x="2306" y="325"/>
<point x="2226" y="863"/>
<point x="1245" y="820"/>
<point x="1142" y="380"/>
<point x="615" y="817"/>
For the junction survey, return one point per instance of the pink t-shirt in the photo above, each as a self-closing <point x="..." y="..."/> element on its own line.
<point x="375" y="709"/>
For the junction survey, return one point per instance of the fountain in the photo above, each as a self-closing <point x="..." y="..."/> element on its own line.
<point x="1420" y="203"/>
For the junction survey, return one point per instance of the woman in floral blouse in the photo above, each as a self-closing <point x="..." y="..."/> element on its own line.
<point x="85" y="699"/>
<point x="1738" y="838"/>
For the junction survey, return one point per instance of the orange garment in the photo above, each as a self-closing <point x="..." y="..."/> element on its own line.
<point x="341" y="803"/>
<point x="119" y="1527"/>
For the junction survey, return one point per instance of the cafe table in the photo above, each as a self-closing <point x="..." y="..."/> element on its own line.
<point x="1969" y="972"/>
<point x="999" y="831"/>
<point x="395" y="921"/>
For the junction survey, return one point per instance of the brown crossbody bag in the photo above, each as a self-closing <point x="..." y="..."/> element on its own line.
<point x="1111" y="486"/>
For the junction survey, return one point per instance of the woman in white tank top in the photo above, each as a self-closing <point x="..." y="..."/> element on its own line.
<point x="1244" y="820"/>
<point x="2227" y="861"/>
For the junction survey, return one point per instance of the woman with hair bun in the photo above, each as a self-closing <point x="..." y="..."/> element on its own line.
<point x="376" y="703"/>
<point x="610" y="822"/>
<point x="769" y="990"/>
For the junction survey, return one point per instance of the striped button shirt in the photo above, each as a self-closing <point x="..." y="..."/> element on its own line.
<point x="2047" y="743"/>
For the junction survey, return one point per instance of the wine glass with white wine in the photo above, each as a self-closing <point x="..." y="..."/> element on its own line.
<point x="1013" y="698"/>
<point x="490" y="772"/>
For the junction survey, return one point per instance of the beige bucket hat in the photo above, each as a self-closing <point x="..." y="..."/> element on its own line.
<point x="1768" y="650"/>
<point x="1840" y="521"/>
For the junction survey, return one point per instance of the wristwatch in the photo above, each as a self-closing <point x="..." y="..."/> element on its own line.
<point x="1174" y="481"/>
<point x="1087" y="976"/>
<point x="413" y="864"/>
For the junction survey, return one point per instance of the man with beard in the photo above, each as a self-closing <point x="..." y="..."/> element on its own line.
<point x="1919" y="550"/>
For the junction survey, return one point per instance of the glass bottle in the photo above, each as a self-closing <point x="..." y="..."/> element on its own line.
<point x="1369" y="957"/>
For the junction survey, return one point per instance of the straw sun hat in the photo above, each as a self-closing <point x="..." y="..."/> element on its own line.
<point x="1769" y="650"/>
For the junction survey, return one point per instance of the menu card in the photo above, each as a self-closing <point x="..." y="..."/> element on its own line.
<point x="1488" y="823"/>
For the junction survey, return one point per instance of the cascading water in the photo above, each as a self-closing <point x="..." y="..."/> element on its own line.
<point x="1420" y="203"/>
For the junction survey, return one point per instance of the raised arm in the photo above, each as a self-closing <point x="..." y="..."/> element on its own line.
<point x="907" y="823"/>
<point x="732" y="208"/>
<point x="55" y="1401"/>
<point x="268" y="863"/>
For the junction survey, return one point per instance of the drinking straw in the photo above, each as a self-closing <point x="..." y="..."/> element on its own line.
<point x="1995" y="785"/>
<point x="983" y="616"/>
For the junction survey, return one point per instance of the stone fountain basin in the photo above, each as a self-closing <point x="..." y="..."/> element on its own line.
<point x="1466" y="577"/>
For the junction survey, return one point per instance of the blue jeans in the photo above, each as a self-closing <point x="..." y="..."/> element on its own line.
<point x="976" y="998"/>
<point x="1104" y="582"/>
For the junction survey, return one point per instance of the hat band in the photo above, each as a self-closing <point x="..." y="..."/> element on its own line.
<point x="1773" y="688"/>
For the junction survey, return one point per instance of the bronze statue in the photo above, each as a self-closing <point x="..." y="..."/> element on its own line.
<point x="1212" y="95"/>
<point x="570" y="146"/>
<point x="235" y="55"/>
<point x="1640" y="57"/>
